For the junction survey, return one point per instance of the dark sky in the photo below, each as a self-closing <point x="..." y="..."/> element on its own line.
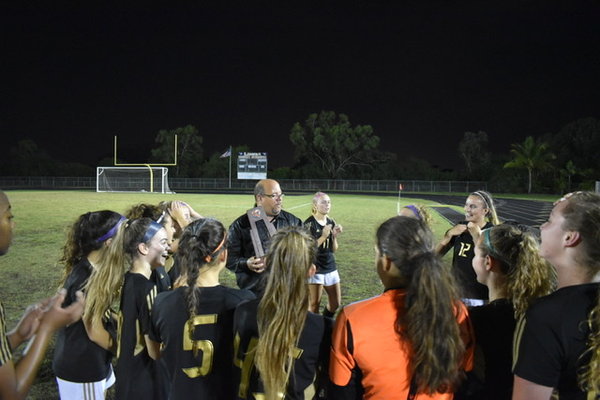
<point x="421" y="73"/>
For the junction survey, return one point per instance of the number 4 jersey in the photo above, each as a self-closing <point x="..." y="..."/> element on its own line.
<point x="198" y="351"/>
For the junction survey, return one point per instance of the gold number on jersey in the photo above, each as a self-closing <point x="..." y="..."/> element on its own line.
<point x="464" y="247"/>
<point x="205" y="346"/>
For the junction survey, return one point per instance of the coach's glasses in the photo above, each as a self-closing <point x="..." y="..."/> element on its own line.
<point x="277" y="196"/>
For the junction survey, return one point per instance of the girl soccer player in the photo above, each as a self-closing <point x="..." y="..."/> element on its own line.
<point x="81" y="366"/>
<point x="557" y="343"/>
<point x="325" y="231"/>
<point x="280" y="346"/>
<point x="480" y="213"/>
<point x="38" y="324"/>
<point x="140" y="246"/>
<point x="413" y="339"/>
<point x="194" y="322"/>
<point x="507" y="261"/>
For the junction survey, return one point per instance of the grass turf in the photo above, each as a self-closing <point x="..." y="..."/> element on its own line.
<point x="30" y="271"/>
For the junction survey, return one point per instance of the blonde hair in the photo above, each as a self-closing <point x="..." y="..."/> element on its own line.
<point x="488" y="202"/>
<point x="582" y="214"/>
<point x="284" y="306"/>
<point x="421" y="212"/>
<point x="315" y="200"/>
<point x="528" y="276"/>
<point x="104" y="285"/>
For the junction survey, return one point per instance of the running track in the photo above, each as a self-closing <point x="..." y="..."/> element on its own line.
<point x="528" y="212"/>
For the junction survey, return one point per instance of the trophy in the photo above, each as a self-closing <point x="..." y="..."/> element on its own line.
<point x="261" y="230"/>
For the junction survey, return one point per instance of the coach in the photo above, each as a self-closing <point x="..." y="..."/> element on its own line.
<point x="241" y="257"/>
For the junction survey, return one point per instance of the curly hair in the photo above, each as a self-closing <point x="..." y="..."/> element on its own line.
<point x="284" y="306"/>
<point x="528" y="276"/>
<point x="86" y="235"/>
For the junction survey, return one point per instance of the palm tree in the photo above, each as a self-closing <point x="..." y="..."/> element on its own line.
<point x="531" y="155"/>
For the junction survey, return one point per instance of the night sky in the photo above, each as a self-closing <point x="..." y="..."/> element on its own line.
<point x="421" y="73"/>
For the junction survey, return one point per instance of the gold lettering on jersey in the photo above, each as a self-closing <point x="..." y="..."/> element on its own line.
<point x="464" y="247"/>
<point x="205" y="346"/>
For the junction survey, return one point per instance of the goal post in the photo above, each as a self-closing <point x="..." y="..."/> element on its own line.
<point x="133" y="179"/>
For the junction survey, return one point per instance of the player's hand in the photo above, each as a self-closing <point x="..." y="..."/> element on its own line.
<point x="29" y="323"/>
<point x="456" y="230"/>
<point x="337" y="230"/>
<point x="474" y="230"/>
<point x="326" y="231"/>
<point x="56" y="317"/>
<point x="256" y="264"/>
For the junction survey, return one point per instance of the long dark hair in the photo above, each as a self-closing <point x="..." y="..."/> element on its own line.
<point x="201" y="243"/>
<point x="88" y="233"/>
<point x="428" y="319"/>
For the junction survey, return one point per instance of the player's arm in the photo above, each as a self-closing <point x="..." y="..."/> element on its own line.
<point x="235" y="261"/>
<point x="527" y="390"/>
<point x="99" y="335"/>
<point x="444" y="245"/>
<point x="15" y="380"/>
<point x="153" y="347"/>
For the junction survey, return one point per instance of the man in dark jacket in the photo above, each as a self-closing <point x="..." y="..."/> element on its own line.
<point x="241" y="257"/>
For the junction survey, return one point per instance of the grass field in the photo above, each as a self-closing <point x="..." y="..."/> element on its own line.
<point x="30" y="272"/>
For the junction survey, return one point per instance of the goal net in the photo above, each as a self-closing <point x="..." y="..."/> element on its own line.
<point x="132" y="179"/>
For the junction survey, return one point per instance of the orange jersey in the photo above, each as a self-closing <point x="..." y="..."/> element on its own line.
<point x="365" y="339"/>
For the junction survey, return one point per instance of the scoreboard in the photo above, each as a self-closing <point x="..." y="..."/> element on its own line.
<point x="252" y="166"/>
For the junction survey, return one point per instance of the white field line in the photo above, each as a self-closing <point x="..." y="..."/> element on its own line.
<point x="299" y="206"/>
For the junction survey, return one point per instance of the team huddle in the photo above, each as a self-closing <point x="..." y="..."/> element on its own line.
<point x="142" y="308"/>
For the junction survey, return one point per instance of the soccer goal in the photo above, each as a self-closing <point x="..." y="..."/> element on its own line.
<point x="132" y="179"/>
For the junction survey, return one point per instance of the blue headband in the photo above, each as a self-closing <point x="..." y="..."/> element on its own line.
<point x="151" y="231"/>
<point x="112" y="230"/>
<point x="415" y="211"/>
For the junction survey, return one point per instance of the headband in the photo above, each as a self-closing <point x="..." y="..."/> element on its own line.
<point x="478" y="193"/>
<point x="415" y="211"/>
<point x="112" y="230"/>
<point x="488" y="243"/>
<point x="151" y="231"/>
<point x="209" y="257"/>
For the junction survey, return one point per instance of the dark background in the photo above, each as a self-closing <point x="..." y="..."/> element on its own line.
<point x="421" y="73"/>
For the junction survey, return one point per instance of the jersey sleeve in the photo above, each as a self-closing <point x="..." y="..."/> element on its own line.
<point x="341" y="360"/>
<point x="5" y="351"/>
<point x="537" y="350"/>
<point x="145" y="310"/>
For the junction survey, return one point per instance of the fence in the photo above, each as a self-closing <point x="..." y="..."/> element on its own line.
<point x="222" y="184"/>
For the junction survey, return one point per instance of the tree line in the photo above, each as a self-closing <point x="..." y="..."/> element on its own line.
<point x="326" y="145"/>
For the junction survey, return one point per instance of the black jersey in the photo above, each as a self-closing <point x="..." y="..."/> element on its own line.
<point x="76" y="357"/>
<point x="311" y="364"/>
<point x="494" y="325"/>
<point x="325" y="261"/>
<point x="462" y="267"/>
<point x="161" y="279"/>
<point x="5" y="350"/>
<point x="138" y="375"/>
<point x="207" y="374"/>
<point x="551" y="339"/>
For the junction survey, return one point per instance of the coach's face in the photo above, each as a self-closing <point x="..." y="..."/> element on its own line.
<point x="272" y="199"/>
<point x="6" y="224"/>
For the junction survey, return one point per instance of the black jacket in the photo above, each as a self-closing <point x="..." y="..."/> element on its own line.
<point x="240" y="248"/>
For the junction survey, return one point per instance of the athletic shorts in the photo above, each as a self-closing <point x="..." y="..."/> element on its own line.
<point x="84" y="391"/>
<point x="328" y="279"/>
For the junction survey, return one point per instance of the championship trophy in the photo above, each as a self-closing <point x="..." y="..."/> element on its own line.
<point x="261" y="230"/>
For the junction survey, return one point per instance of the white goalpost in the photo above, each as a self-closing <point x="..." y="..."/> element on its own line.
<point x="132" y="179"/>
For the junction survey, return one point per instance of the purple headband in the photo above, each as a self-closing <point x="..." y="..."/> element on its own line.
<point x="151" y="231"/>
<point x="112" y="230"/>
<point x="415" y="211"/>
